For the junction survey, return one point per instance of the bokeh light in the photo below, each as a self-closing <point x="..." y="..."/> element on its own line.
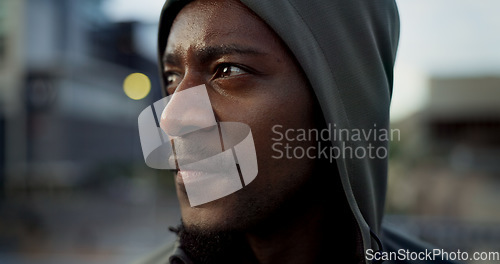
<point x="137" y="86"/>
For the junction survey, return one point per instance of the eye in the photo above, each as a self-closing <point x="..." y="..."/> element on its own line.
<point x="227" y="70"/>
<point x="173" y="79"/>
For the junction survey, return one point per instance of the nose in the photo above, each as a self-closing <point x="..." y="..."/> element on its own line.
<point x="189" y="109"/>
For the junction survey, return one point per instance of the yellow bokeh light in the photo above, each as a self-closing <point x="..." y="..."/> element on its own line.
<point x="137" y="86"/>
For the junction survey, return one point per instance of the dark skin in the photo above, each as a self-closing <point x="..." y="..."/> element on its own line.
<point x="251" y="77"/>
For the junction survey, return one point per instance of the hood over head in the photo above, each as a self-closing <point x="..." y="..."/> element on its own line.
<point x="347" y="50"/>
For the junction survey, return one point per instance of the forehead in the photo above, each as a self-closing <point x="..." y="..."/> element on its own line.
<point x="214" y="23"/>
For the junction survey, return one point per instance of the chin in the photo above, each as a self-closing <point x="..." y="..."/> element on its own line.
<point x="230" y="213"/>
<point x="215" y="216"/>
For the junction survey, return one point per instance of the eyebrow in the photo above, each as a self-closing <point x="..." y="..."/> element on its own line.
<point x="211" y="53"/>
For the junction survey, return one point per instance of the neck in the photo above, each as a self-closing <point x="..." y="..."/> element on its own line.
<point x="316" y="226"/>
<point x="290" y="239"/>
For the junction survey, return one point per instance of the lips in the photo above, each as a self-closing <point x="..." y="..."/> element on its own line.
<point x="210" y="179"/>
<point x="189" y="177"/>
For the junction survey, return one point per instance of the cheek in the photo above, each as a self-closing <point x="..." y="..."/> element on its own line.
<point x="290" y="107"/>
<point x="285" y="100"/>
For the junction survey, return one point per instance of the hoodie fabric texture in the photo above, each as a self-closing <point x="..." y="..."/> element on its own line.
<point x="347" y="50"/>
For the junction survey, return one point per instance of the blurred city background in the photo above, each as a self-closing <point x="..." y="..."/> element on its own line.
<point x="73" y="184"/>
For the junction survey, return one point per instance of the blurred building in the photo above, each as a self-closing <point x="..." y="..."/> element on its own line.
<point x="73" y="183"/>
<point x="463" y="118"/>
<point x="63" y="111"/>
<point x="11" y="72"/>
<point x="445" y="172"/>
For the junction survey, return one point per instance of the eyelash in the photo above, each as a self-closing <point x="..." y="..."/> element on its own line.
<point x="169" y="74"/>
<point x="219" y="70"/>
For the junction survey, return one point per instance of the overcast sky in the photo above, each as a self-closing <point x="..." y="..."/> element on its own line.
<point x="438" y="37"/>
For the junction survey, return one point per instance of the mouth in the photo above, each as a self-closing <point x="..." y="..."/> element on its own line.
<point x="200" y="187"/>
<point x="186" y="177"/>
<point x="191" y="178"/>
<point x="194" y="164"/>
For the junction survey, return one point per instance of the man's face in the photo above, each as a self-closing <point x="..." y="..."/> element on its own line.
<point x="251" y="78"/>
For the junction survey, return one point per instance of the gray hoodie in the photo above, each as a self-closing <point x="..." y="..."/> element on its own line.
<point x="347" y="50"/>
